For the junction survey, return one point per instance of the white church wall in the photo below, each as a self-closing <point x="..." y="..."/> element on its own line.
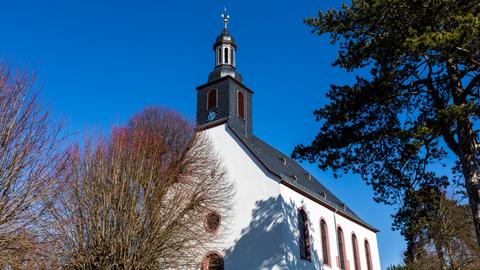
<point x="263" y="230"/>
<point x="293" y="201"/>
<point x="349" y="227"/>
<point x="254" y="240"/>
<point x="291" y="204"/>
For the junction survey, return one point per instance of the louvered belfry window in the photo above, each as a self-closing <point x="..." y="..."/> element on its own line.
<point x="212" y="99"/>
<point x="225" y="55"/>
<point x="241" y="104"/>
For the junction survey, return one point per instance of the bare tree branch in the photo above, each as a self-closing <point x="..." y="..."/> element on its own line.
<point x="29" y="163"/>
<point x="139" y="199"/>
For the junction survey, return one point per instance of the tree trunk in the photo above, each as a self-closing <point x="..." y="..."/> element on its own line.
<point x="439" y="250"/>
<point x="473" y="191"/>
<point x="438" y="240"/>
<point x="467" y="149"/>
<point x="409" y="254"/>
<point x="468" y="155"/>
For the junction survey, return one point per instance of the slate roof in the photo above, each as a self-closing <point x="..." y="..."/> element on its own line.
<point x="223" y="71"/>
<point x="224" y="38"/>
<point x="292" y="173"/>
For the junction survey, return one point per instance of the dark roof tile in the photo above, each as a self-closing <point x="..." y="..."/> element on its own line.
<point x="290" y="171"/>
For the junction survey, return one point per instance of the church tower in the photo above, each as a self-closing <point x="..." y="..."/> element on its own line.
<point x="224" y="98"/>
<point x="271" y="183"/>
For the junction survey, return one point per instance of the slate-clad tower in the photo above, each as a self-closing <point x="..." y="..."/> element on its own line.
<point x="224" y="98"/>
<point x="281" y="216"/>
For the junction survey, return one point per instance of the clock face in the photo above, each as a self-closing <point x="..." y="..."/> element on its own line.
<point x="211" y="116"/>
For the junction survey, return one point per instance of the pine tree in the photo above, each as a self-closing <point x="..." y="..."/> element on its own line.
<point x="418" y="107"/>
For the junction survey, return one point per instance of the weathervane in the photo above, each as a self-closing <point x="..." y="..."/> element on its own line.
<point x="225" y="17"/>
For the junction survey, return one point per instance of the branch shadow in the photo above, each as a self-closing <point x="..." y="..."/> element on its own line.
<point x="271" y="239"/>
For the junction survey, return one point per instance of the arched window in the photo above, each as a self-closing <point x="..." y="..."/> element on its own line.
<point x="341" y="249"/>
<point x="356" y="258"/>
<point x="225" y="55"/>
<point x="304" y="238"/>
<point x="368" y="255"/>
<point x="233" y="57"/>
<point x="325" y="246"/>
<point x="212" y="261"/>
<point x="240" y="104"/>
<point x="212" y="99"/>
<point x="219" y="56"/>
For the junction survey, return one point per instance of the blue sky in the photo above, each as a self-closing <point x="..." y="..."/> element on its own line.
<point x="98" y="62"/>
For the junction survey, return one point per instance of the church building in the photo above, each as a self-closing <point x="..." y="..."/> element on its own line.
<point x="283" y="217"/>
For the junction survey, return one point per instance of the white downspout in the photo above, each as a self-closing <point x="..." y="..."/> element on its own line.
<point x="336" y="238"/>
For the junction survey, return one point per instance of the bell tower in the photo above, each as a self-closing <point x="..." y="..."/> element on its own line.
<point x="224" y="98"/>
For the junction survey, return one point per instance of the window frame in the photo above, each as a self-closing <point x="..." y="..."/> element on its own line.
<point x="325" y="243"/>
<point x="304" y="234"/>
<point x="208" y="99"/>
<point x="205" y="260"/>
<point x="239" y="92"/>
<point x="226" y="55"/>
<point x="212" y="230"/>
<point x="341" y="249"/>
<point x="368" y="254"/>
<point x="356" y="254"/>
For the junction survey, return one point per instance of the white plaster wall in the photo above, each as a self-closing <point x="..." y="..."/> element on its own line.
<point x="254" y="240"/>
<point x="263" y="231"/>
<point x="315" y="212"/>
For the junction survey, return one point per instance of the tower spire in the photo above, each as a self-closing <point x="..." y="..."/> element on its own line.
<point x="224" y="98"/>
<point x="225" y="53"/>
<point x="225" y="17"/>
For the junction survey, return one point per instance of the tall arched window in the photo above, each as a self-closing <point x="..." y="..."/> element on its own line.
<point x="368" y="255"/>
<point x="304" y="238"/>
<point x="356" y="258"/>
<point x="225" y="55"/>
<point x="233" y="57"/>
<point x="325" y="246"/>
<point x="212" y="99"/>
<point x="341" y="249"/>
<point x="212" y="261"/>
<point x="240" y="104"/>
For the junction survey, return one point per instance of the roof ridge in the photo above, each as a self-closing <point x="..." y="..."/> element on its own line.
<point x="275" y="166"/>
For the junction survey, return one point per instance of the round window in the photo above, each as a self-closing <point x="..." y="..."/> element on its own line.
<point x="212" y="222"/>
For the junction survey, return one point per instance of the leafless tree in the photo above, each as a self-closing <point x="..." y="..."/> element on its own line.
<point x="446" y="239"/>
<point x="138" y="199"/>
<point x="29" y="163"/>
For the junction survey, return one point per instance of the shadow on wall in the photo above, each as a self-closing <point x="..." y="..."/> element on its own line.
<point x="271" y="239"/>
